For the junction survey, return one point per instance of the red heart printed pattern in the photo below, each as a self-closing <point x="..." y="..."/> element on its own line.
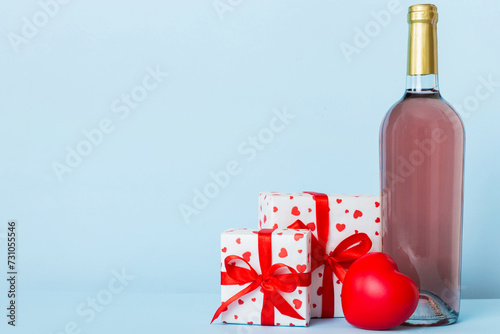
<point x="340" y="227"/>
<point x="301" y="268"/>
<point x="298" y="236"/>
<point x="377" y="204"/>
<point x="311" y="226"/>
<point x="377" y="220"/>
<point x="357" y="214"/>
<point x="339" y="200"/>
<point x="246" y="256"/>
<point x="297" y="303"/>
<point x="295" y="211"/>
<point x="238" y="241"/>
<point x="224" y="249"/>
<point x="283" y="253"/>
<point x="275" y="209"/>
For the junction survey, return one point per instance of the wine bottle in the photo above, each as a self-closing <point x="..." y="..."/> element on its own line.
<point x="422" y="162"/>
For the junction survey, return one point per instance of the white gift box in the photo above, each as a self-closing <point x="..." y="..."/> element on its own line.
<point x="347" y="215"/>
<point x="288" y="247"/>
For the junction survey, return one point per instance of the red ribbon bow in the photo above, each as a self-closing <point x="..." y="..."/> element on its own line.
<point x="339" y="260"/>
<point x="274" y="278"/>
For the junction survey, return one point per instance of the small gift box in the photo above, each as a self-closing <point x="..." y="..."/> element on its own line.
<point x="266" y="277"/>
<point x="343" y="228"/>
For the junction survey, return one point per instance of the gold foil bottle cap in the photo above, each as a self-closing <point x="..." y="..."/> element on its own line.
<point x="422" y="45"/>
<point x="422" y="13"/>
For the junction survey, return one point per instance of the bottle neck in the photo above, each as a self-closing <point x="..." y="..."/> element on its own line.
<point x="422" y="83"/>
<point x="422" y="71"/>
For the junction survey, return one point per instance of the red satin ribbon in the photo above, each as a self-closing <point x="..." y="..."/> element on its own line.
<point x="269" y="281"/>
<point x="337" y="261"/>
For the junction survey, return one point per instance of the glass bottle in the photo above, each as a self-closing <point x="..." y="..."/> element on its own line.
<point x="422" y="161"/>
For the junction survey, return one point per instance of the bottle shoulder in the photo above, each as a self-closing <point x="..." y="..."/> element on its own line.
<point x="422" y="108"/>
<point x="422" y="111"/>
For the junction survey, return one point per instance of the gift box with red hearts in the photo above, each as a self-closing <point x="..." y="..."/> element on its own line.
<point x="265" y="277"/>
<point x="343" y="229"/>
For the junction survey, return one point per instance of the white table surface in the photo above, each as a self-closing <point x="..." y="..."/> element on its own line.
<point x="51" y="313"/>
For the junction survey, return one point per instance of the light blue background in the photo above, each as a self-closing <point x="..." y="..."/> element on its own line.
<point x="120" y="208"/>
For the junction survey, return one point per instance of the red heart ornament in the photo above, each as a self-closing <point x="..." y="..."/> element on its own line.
<point x="375" y="295"/>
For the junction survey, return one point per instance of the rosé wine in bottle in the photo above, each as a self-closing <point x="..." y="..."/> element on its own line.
<point x="422" y="162"/>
